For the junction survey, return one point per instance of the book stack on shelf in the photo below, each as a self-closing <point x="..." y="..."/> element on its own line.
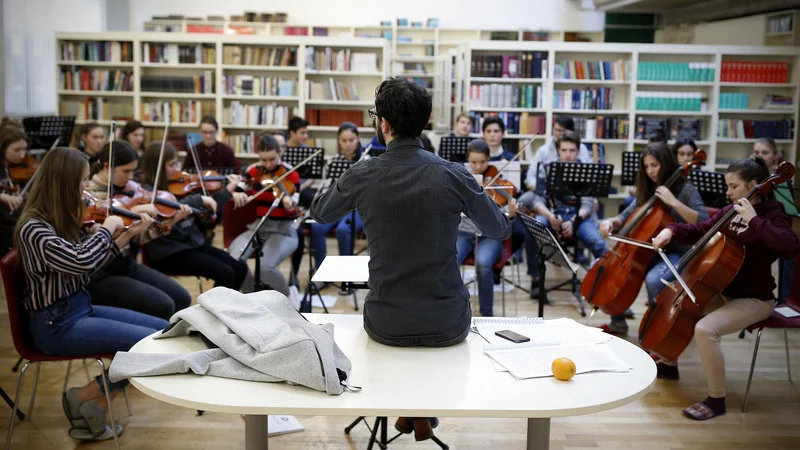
<point x="516" y="123"/>
<point x="331" y="90"/>
<point x="270" y="114"/>
<point x="159" y="53"/>
<point x="592" y="70"/>
<point x="246" y="55"/>
<point x="245" y="143"/>
<point x="497" y="95"/>
<point x="670" y="101"/>
<point x="249" y="85"/>
<point x="584" y="99"/>
<point x="676" y="71"/>
<point x="185" y="112"/>
<point x="333" y="117"/>
<point x="84" y="79"/>
<point x="675" y="128"/>
<point x="342" y="60"/>
<point x="780" y="24"/>
<point x="519" y="65"/>
<point x="197" y="84"/>
<point x="753" y="129"/>
<point x="96" y="108"/>
<point x="96" y="51"/>
<point x="776" y="72"/>
<point x="602" y="127"/>
<point x="778" y="102"/>
<point x="734" y="100"/>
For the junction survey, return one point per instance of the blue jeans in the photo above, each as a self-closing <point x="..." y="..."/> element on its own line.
<point x="652" y="281"/>
<point x="489" y="251"/>
<point x="343" y="234"/>
<point x="588" y="232"/>
<point x="786" y="267"/>
<point x="75" y="327"/>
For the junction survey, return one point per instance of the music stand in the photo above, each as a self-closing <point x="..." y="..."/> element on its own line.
<point x="630" y="167"/>
<point x="313" y="168"/>
<point x="711" y="186"/>
<point x="454" y="148"/>
<point x="548" y="248"/>
<point x="569" y="182"/>
<point x="42" y="131"/>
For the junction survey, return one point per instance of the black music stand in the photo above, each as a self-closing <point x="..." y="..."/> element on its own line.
<point x="630" y="167"/>
<point x="313" y="168"/>
<point x="549" y="249"/>
<point x="569" y="182"/>
<point x="43" y="131"/>
<point x="454" y="148"/>
<point x="711" y="186"/>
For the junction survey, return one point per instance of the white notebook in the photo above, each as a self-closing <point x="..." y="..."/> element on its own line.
<point x="786" y="311"/>
<point x="540" y="331"/>
<point x="535" y="362"/>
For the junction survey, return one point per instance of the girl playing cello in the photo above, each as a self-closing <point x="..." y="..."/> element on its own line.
<point x="765" y="231"/>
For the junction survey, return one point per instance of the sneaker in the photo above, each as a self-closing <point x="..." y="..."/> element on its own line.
<point x="615" y="328"/>
<point x="629" y="314"/>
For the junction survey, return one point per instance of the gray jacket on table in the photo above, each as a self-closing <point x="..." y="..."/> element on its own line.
<point x="259" y="337"/>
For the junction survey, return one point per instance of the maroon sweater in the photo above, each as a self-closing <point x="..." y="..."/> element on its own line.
<point x="767" y="237"/>
<point x="218" y="155"/>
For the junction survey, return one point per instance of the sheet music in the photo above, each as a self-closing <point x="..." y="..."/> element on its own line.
<point x="535" y="362"/>
<point x="541" y="332"/>
<point x="786" y="311"/>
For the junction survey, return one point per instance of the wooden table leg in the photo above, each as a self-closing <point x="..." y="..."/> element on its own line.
<point x="255" y="432"/>
<point x="538" y="434"/>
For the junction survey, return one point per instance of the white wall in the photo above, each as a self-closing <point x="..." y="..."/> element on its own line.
<point x="29" y="28"/>
<point x="744" y="31"/>
<point x="498" y="14"/>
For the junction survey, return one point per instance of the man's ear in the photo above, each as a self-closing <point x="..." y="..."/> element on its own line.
<point x="385" y="127"/>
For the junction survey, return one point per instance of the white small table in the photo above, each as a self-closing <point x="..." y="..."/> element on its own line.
<point x="350" y="271"/>
<point x="457" y="381"/>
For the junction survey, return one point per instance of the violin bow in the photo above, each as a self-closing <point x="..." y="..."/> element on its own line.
<point x="110" y="197"/>
<point x="280" y="178"/>
<point x="160" y="162"/>
<point x="499" y="172"/>
<point x="197" y="167"/>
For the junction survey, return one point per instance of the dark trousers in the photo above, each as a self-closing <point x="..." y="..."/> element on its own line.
<point x="141" y="289"/>
<point x="453" y="336"/>
<point x="208" y="262"/>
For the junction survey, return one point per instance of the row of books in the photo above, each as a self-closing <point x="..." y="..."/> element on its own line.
<point x="589" y="98"/>
<point x="755" y="72"/>
<point x="521" y="65"/>
<point x="773" y="101"/>
<point x="247" y="55"/>
<point x="505" y="96"/>
<point x="242" y="143"/>
<point x="270" y="114"/>
<point x="782" y="24"/>
<point x="675" y="128"/>
<point x="183" y="111"/>
<point x="675" y="71"/>
<point x="516" y="123"/>
<point x="669" y="101"/>
<point x="95" y="80"/>
<point x="178" y="54"/>
<point x="96" y="108"/>
<point x="342" y="60"/>
<point x="197" y="84"/>
<point x="591" y="70"/>
<point x="106" y="51"/>
<point x="602" y="127"/>
<point x="749" y="129"/>
<point x="734" y="100"/>
<point x="331" y="90"/>
<point x="427" y="83"/>
<point x="333" y="117"/>
<point x="258" y="86"/>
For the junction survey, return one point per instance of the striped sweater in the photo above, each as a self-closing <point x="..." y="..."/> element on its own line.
<point x="56" y="268"/>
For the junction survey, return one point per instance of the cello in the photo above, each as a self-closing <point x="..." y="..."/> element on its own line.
<point x="613" y="283"/>
<point x="667" y="327"/>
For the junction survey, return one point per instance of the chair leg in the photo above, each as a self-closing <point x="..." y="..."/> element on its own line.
<point x="127" y="402"/>
<point x="108" y="399"/>
<point x="16" y="402"/>
<point x="86" y="371"/>
<point x="503" y="286"/>
<point x="752" y="367"/>
<point x="33" y="394"/>
<point x="200" y="285"/>
<point x="66" y="377"/>
<point x="788" y="363"/>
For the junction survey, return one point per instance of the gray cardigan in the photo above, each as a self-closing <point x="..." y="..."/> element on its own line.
<point x="259" y="337"/>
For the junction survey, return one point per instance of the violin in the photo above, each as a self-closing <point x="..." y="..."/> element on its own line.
<point x="97" y="212"/>
<point x="167" y="205"/>
<point x="185" y="183"/>
<point x="613" y="283"/>
<point x="667" y="327"/>
<point x="24" y="171"/>
<point x="503" y="191"/>
<point x="277" y="179"/>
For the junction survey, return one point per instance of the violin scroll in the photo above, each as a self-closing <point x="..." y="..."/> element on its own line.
<point x="785" y="172"/>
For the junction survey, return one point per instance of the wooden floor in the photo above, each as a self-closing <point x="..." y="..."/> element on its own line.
<point x="654" y="422"/>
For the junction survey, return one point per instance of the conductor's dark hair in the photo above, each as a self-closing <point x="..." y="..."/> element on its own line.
<point x="405" y="105"/>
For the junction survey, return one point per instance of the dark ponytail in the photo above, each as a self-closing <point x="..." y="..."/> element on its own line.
<point x="749" y="169"/>
<point x="123" y="154"/>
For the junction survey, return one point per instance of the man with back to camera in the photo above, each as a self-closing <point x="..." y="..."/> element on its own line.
<point x="411" y="202"/>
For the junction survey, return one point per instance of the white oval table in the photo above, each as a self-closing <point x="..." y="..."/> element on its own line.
<point x="457" y="381"/>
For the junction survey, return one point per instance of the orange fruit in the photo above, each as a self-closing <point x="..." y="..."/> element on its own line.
<point x="563" y="368"/>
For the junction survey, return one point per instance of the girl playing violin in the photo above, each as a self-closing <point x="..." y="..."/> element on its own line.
<point x="13" y="146"/>
<point x="59" y="259"/>
<point x="684" y="204"/>
<point x="185" y="251"/>
<point x="765" y="231"/>
<point x="488" y="251"/>
<point x="280" y="238"/>
<point x="125" y="283"/>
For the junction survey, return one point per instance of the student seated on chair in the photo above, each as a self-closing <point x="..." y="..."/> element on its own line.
<point x="280" y="237"/>
<point x="297" y="137"/>
<point x="124" y="283"/>
<point x="765" y="231"/>
<point x="565" y="219"/>
<point x="13" y="150"/>
<point x="59" y="258"/>
<point x="493" y="132"/>
<point x="185" y="251"/>
<point x="349" y="149"/>
<point x="211" y="152"/>
<point x="488" y="250"/>
<point x="464" y="124"/>
<point x="92" y="139"/>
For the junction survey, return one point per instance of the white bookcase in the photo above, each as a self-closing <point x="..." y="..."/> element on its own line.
<point x="625" y="90"/>
<point x="218" y="102"/>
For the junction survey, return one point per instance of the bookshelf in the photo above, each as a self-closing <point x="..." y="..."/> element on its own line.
<point x="780" y="29"/>
<point x="693" y="87"/>
<point x="248" y="83"/>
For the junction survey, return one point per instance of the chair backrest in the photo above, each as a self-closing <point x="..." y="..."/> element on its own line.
<point x="235" y="221"/>
<point x="794" y="292"/>
<point x="14" y="285"/>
